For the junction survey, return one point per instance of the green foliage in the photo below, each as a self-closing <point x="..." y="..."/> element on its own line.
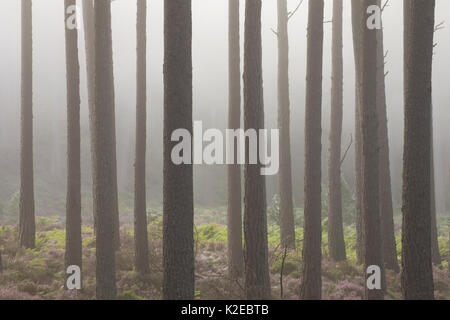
<point x="128" y="295"/>
<point x="211" y="233"/>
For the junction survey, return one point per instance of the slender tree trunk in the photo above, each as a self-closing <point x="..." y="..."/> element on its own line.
<point x="435" y="254"/>
<point x="370" y="153"/>
<point x="27" y="227"/>
<point x="336" y="241"/>
<point x="356" y="11"/>
<point x="73" y="254"/>
<point x="311" y="287"/>
<point x="140" y="204"/>
<point x="385" y="190"/>
<point x="287" y="226"/>
<point x="257" y="281"/>
<point x="178" y="215"/>
<point x="234" y="212"/>
<point x="104" y="146"/>
<point x="417" y="271"/>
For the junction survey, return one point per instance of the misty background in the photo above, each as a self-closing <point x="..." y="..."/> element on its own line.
<point x="210" y="89"/>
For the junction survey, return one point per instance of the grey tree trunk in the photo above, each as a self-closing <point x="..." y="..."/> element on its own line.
<point x="311" y="287"/>
<point x="417" y="270"/>
<point x="435" y="254"/>
<point x="385" y="189"/>
<point x="178" y="212"/>
<point x="140" y="203"/>
<point x="370" y="153"/>
<point x="73" y="254"/>
<point x="103" y="147"/>
<point x="356" y="10"/>
<point x="234" y="211"/>
<point x="27" y="227"/>
<point x="287" y="226"/>
<point x="336" y="243"/>
<point x="257" y="281"/>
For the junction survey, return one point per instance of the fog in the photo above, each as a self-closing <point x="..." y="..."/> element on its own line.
<point x="210" y="59"/>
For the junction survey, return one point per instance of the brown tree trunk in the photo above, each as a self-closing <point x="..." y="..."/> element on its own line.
<point x="385" y="190"/>
<point x="140" y="203"/>
<point x="257" y="281"/>
<point x="178" y="215"/>
<point x="73" y="254"/>
<point x="234" y="212"/>
<point x="27" y="227"/>
<point x="311" y="287"/>
<point x="356" y="10"/>
<point x="287" y="226"/>
<point x="336" y="243"/>
<point x="370" y="153"/>
<point x="435" y="254"/>
<point x="103" y="147"/>
<point x="417" y="271"/>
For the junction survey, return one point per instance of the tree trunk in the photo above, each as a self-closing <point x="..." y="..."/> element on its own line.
<point x="140" y="204"/>
<point x="178" y="215"/>
<point x="257" y="281"/>
<point x="370" y="153"/>
<point x="104" y="146"/>
<point x="73" y="254"/>
<point x="234" y="212"/>
<point x="287" y="226"/>
<point x="311" y="287"/>
<point x="417" y="271"/>
<point x="385" y="190"/>
<point x="435" y="254"/>
<point x="336" y="241"/>
<point x="27" y="227"/>
<point x="356" y="10"/>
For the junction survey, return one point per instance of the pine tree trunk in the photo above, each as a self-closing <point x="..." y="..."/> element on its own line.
<point x="311" y="287"/>
<point x="234" y="212"/>
<point x="287" y="226"/>
<point x="140" y="203"/>
<point x="435" y="254"/>
<point x="386" y="209"/>
<point x="336" y="241"/>
<point x="73" y="254"/>
<point x="27" y="227"/>
<point x="417" y="271"/>
<point x="370" y="153"/>
<point x="104" y="146"/>
<point x="178" y="215"/>
<point x="356" y="10"/>
<point x="257" y="281"/>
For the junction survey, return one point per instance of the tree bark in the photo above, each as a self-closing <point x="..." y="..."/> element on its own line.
<point x="370" y="153"/>
<point x="356" y="10"/>
<point x="73" y="254"/>
<point x="385" y="189"/>
<point x="234" y="212"/>
<point x="287" y="226"/>
<point x="336" y="243"/>
<point x="435" y="254"/>
<point x="417" y="271"/>
<point x="311" y="287"/>
<point x="27" y="227"/>
<point x="178" y="212"/>
<point x="257" y="281"/>
<point x="140" y="203"/>
<point x="104" y="146"/>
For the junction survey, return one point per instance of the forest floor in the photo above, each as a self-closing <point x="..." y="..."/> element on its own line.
<point x="39" y="273"/>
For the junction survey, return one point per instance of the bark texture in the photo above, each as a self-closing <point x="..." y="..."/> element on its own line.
<point x="140" y="203"/>
<point x="27" y="227"/>
<point x="178" y="212"/>
<point x="435" y="254"/>
<point x="336" y="243"/>
<point x="73" y="254"/>
<point x="234" y="211"/>
<point x="311" y="286"/>
<point x="385" y="188"/>
<point x="417" y="271"/>
<point x="287" y="227"/>
<point x="103" y="147"/>
<point x="257" y="281"/>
